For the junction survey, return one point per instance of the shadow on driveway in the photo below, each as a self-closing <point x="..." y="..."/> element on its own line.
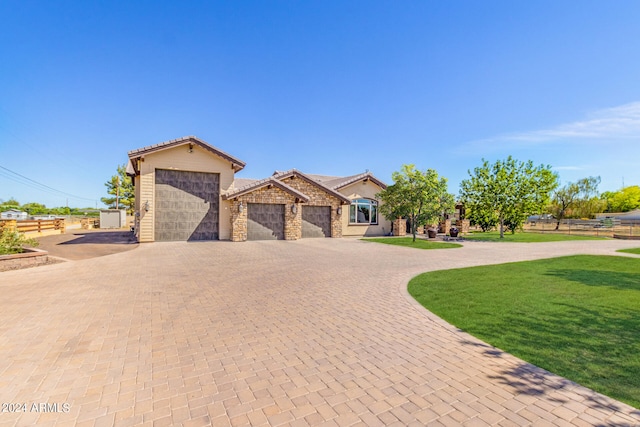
<point x="84" y="244"/>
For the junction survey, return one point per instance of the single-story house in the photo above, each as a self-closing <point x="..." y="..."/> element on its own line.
<point x="14" y="214"/>
<point x="186" y="189"/>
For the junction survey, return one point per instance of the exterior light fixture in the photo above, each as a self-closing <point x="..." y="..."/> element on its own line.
<point x="294" y="209"/>
<point x="339" y="210"/>
<point x="240" y="207"/>
<point x="146" y="206"/>
<point x="191" y="148"/>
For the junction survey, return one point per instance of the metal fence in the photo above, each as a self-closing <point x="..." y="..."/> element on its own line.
<point x="606" y="227"/>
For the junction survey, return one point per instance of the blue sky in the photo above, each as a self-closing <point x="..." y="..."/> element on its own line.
<point x="327" y="87"/>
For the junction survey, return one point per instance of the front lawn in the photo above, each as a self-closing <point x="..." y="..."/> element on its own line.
<point x="630" y="251"/>
<point x="418" y="244"/>
<point x="522" y="237"/>
<point x="577" y="316"/>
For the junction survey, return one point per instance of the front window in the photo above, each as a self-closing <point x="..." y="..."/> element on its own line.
<point x="363" y="211"/>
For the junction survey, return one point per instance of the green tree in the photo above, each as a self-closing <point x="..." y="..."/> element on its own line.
<point x="486" y="219"/>
<point x="589" y="203"/>
<point x="60" y="211"/>
<point x="121" y="188"/>
<point x="624" y="200"/>
<point x="419" y="196"/>
<point x="12" y="203"/>
<point x="508" y="190"/>
<point x="35" y="208"/>
<point x="576" y="199"/>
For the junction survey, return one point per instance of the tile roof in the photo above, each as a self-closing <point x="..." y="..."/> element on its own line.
<point x="338" y="182"/>
<point x="243" y="182"/>
<point x="237" y="163"/>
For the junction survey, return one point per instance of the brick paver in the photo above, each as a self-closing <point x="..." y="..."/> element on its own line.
<point x="311" y="332"/>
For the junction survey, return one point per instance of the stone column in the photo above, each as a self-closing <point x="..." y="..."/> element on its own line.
<point x="445" y="225"/>
<point x="293" y="221"/>
<point x="463" y="225"/>
<point x="400" y="227"/>
<point x="238" y="221"/>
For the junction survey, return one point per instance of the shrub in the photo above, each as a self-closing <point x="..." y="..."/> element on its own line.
<point x="11" y="242"/>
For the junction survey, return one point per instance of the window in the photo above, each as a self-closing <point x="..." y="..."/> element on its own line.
<point x="363" y="211"/>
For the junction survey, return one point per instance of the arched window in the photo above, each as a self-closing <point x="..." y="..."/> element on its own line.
<point x="363" y="211"/>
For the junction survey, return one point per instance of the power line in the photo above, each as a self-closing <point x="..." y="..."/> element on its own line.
<point x="16" y="177"/>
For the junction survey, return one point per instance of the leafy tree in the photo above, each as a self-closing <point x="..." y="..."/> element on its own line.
<point x="590" y="201"/>
<point x="486" y="219"/>
<point x="35" y="208"/>
<point x="121" y="188"/>
<point x="60" y="211"/>
<point x="508" y="190"/>
<point x="9" y="204"/>
<point x="577" y="199"/>
<point x="624" y="200"/>
<point x="514" y="221"/>
<point x="419" y="196"/>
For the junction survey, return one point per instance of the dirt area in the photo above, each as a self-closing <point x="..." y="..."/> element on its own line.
<point x="84" y="244"/>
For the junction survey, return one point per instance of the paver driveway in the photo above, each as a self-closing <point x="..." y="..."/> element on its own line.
<point x="312" y="332"/>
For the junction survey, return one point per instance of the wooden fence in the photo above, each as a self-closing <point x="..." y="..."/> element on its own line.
<point x="35" y="226"/>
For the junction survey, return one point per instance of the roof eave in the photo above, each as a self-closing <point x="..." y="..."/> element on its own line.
<point x="236" y="163"/>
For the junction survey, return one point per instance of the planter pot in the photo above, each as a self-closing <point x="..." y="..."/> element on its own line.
<point x="453" y="232"/>
<point x="431" y="233"/>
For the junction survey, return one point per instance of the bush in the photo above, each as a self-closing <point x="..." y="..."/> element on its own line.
<point x="11" y="242"/>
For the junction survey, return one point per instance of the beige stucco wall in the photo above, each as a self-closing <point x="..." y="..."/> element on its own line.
<point x="363" y="190"/>
<point x="179" y="158"/>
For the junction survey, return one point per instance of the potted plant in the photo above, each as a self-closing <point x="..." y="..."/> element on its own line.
<point x="453" y="232"/>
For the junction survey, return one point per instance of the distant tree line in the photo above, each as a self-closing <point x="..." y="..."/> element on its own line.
<point x="36" y="209"/>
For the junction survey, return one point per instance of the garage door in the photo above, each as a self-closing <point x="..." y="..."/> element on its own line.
<point x="265" y="221"/>
<point x="316" y="221"/>
<point x="187" y="205"/>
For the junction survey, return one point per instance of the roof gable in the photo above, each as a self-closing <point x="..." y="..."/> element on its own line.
<point x="367" y="176"/>
<point x="339" y="182"/>
<point x="267" y="182"/>
<point x="236" y="163"/>
<point x="312" y="181"/>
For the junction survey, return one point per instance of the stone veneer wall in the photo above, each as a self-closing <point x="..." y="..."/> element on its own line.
<point x="29" y="258"/>
<point x="463" y="225"/>
<point x="318" y="197"/>
<point x="292" y="222"/>
<point x="400" y="227"/>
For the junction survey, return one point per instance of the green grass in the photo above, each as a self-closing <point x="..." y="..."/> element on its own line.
<point x="418" y="244"/>
<point x="577" y="316"/>
<point x="494" y="236"/>
<point x="630" y="251"/>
